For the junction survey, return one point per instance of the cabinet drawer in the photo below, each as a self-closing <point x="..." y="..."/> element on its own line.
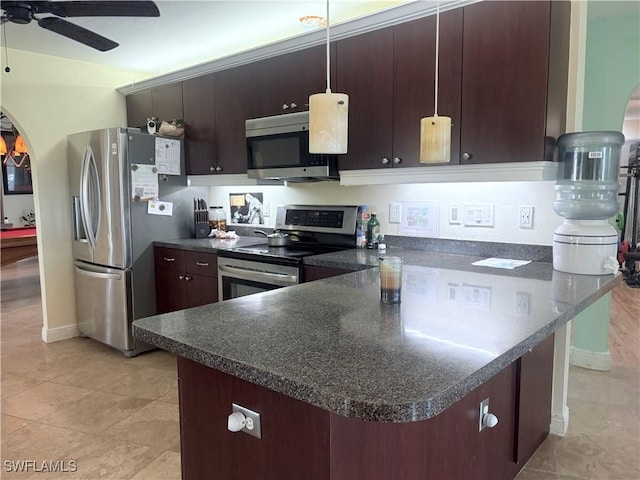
<point x="200" y="263"/>
<point x="169" y="259"/>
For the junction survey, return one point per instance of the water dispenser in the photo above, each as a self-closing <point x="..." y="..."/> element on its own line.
<point x="587" y="196"/>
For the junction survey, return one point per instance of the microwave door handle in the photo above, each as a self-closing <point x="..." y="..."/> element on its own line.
<point x="260" y="276"/>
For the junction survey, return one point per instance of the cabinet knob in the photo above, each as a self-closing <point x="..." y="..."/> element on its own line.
<point x="187" y="278"/>
<point x="467" y="156"/>
<point x="293" y="105"/>
<point x="397" y="161"/>
<point x="385" y="161"/>
<point x="285" y="106"/>
<point x="180" y="277"/>
<point x="212" y="169"/>
<point x="218" y="169"/>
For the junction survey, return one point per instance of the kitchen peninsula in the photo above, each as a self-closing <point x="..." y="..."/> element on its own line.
<point x="348" y="388"/>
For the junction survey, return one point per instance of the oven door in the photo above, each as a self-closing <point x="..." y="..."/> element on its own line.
<point x="237" y="278"/>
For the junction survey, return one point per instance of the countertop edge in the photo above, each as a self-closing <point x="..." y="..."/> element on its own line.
<point x="419" y="410"/>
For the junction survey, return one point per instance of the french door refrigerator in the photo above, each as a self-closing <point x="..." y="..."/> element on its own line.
<point x="113" y="233"/>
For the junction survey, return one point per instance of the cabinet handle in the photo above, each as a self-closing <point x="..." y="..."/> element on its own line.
<point x="202" y="264"/>
<point x="212" y="169"/>
<point x="385" y="161"/>
<point x="467" y="156"/>
<point x="169" y="259"/>
<point x="285" y="106"/>
<point x="180" y="277"/>
<point x="293" y="105"/>
<point x="187" y="278"/>
<point x="218" y="169"/>
<point x="397" y="161"/>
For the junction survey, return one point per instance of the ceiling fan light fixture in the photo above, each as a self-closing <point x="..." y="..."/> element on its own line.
<point x="328" y="116"/>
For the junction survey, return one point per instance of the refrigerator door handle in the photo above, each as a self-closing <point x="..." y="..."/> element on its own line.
<point x="79" y="234"/>
<point x="90" y="273"/>
<point x="88" y="188"/>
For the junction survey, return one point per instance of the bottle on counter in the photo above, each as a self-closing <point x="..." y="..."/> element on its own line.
<point x="217" y="219"/>
<point x="361" y="226"/>
<point x="373" y="231"/>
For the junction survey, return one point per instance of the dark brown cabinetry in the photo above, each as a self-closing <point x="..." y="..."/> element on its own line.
<point x="449" y="445"/>
<point x="514" y="80"/>
<point x="283" y="84"/>
<point x="232" y="97"/>
<point x="313" y="272"/>
<point x="163" y="102"/>
<point x="199" y="125"/>
<point x="389" y="75"/>
<point x="184" y="279"/>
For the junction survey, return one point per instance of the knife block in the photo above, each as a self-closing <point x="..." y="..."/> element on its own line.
<point x="202" y="229"/>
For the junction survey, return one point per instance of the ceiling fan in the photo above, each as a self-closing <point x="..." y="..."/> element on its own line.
<point x="22" y="12"/>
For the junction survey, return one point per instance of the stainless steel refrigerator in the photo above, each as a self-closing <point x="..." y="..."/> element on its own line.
<point x="113" y="232"/>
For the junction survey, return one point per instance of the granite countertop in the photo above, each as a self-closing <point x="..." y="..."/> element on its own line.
<point x="209" y="245"/>
<point x="331" y="343"/>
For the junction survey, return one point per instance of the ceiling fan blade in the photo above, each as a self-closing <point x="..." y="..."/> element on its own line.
<point x="105" y="8"/>
<point x="77" y="33"/>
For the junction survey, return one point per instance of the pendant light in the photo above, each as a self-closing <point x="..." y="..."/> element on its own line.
<point x="328" y="116"/>
<point x="20" y="148"/>
<point x="3" y="146"/>
<point x="435" y="132"/>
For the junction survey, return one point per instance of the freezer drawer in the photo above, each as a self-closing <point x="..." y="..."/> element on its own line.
<point x="103" y="304"/>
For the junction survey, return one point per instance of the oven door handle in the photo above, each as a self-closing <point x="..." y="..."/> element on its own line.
<point x="263" y="277"/>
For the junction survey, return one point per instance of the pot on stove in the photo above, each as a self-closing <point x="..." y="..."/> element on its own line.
<point x="275" y="239"/>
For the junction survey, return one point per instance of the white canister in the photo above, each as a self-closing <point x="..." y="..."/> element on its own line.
<point x="586" y="247"/>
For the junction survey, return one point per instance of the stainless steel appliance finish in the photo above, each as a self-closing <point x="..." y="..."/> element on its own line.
<point x="113" y="234"/>
<point x="278" y="149"/>
<point x="313" y="230"/>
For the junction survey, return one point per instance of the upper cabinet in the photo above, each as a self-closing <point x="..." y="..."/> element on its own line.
<point x="283" y="84"/>
<point x="389" y="75"/>
<point x="232" y="94"/>
<point x="163" y="102"/>
<point x="514" y="80"/>
<point x="199" y="125"/>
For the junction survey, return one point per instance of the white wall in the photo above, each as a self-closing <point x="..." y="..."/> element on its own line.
<point x="17" y="206"/>
<point x="48" y="98"/>
<point x="506" y="196"/>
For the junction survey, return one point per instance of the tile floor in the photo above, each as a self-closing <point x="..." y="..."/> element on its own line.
<point x="79" y="401"/>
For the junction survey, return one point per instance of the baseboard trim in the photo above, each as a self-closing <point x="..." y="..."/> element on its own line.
<point x="560" y="422"/>
<point x="591" y="360"/>
<point x="56" y="334"/>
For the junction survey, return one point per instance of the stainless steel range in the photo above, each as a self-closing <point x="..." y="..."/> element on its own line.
<point x="312" y="230"/>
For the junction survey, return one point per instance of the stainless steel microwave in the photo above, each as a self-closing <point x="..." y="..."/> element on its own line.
<point x="278" y="149"/>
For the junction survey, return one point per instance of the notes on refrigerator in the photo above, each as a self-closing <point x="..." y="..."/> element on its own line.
<point x="144" y="182"/>
<point x="160" y="208"/>
<point x="168" y="156"/>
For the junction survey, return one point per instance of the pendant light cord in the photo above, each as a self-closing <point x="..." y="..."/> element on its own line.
<point x="6" y="51"/>
<point x="437" y="55"/>
<point x="328" y="60"/>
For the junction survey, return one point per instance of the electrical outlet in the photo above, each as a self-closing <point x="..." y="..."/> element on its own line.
<point x="266" y="209"/>
<point x="394" y="212"/>
<point x="252" y="419"/>
<point x="525" y="219"/>
<point x="523" y="303"/>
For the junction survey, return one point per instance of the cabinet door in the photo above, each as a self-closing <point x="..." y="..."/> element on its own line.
<point x="169" y="275"/>
<point x="232" y="98"/>
<point x="283" y="84"/>
<point x="139" y="108"/>
<point x="504" y="83"/>
<point x="364" y="67"/>
<point x="201" y="290"/>
<point x="166" y="101"/>
<point x="199" y="125"/>
<point x="313" y="272"/>
<point x="414" y="82"/>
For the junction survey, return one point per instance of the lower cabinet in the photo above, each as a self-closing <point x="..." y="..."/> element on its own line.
<point x="313" y="272"/>
<point x="184" y="279"/>
<point x="303" y="441"/>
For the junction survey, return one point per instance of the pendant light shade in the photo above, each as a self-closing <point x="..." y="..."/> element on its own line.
<point x="20" y="148"/>
<point x="3" y="146"/>
<point x="435" y="132"/>
<point x="328" y="116"/>
<point x="435" y="140"/>
<point x="328" y="122"/>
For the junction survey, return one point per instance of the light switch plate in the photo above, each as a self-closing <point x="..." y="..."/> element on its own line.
<point x="455" y="214"/>
<point x="395" y="212"/>
<point x="477" y="215"/>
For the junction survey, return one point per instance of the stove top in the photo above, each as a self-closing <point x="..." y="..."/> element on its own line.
<point x="290" y="254"/>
